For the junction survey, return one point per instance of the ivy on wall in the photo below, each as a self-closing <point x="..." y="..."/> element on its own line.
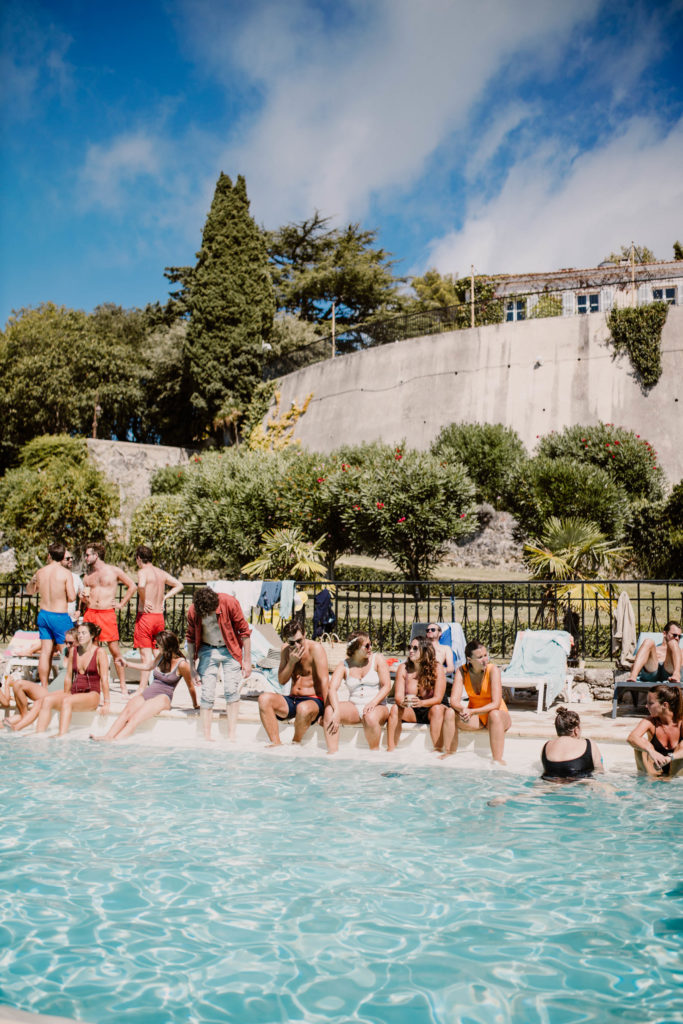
<point x="639" y="332"/>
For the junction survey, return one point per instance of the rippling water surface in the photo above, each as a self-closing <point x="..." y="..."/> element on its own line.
<point x="155" y="887"/>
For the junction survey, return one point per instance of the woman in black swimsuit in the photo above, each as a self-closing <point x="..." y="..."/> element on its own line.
<point x="87" y="674"/>
<point x="170" y="666"/>
<point x="569" y="757"/>
<point x="658" y="739"/>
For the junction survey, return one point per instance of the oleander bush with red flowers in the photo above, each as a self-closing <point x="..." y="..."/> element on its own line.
<point x="628" y="458"/>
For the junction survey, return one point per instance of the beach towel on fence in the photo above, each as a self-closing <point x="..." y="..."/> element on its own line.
<point x="540" y="652"/>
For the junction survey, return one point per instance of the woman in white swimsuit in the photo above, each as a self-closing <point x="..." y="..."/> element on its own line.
<point x="369" y="683"/>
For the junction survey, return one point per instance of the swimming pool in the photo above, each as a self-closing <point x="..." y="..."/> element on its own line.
<point x="155" y="887"/>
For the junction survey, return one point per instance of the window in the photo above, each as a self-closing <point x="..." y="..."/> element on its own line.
<point x="588" y="303"/>
<point x="515" y="309"/>
<point x="664" y="295"/>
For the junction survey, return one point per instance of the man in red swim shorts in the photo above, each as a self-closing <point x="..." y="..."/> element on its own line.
<point x="99" y="594"/>
<point x="152" y="583"/>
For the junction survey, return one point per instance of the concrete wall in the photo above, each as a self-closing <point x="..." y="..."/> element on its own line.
<point x="534" y="375"/>
<point x="131" y="467"/>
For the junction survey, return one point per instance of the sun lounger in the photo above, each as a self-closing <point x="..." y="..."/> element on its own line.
<point x="539" y="662"/>
<point x="623" y="685"/>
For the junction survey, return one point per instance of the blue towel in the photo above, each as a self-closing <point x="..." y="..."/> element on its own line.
<point x="452" y="636"/>
<point x="540" y="652"/>
<point x="270" y="595"/>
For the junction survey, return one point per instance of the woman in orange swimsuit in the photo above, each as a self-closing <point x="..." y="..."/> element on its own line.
<point x="486" y="708"/>
<point x="87" y="674"/>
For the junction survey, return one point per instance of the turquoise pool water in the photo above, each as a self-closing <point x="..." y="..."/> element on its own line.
<point x="155" y="887"/>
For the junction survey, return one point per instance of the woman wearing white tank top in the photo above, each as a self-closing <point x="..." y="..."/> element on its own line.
<point x="369" y="684"/>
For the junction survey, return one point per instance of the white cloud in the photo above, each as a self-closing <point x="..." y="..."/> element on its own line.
<point x="111" y="169"/>
<point x="549" y="215"/>
<point x="352" y="110"/>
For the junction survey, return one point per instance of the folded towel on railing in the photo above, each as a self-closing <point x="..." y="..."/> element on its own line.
<point x="539" y="652"/>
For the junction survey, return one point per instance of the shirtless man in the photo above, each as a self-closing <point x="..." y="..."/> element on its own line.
<point x="149" y="622"/>
<point x="99" y="594"/>
<point x="444" y="654"/>
<point x="659" y="663"/>
<point x="304" y="662"/>
<point x="54" y="584"/>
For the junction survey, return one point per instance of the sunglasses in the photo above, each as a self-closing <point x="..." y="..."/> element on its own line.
<point x="414" y="647"/>
<point x="434" y="630"/>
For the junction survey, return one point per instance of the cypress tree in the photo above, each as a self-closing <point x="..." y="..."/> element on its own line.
<point x="230" y="299"/>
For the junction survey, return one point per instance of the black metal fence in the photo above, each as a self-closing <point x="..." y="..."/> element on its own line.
<point x="493" y="611"/>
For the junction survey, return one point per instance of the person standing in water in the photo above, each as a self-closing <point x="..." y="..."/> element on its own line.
<point x="658" y="739"/>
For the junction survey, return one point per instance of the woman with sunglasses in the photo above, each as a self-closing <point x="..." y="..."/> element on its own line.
<point x="486" y="708"/>
<point x="87" y="675"/>
<point x="419" y="692"/>
<point x="170" y="666"/>
<point x="369" y="684"/>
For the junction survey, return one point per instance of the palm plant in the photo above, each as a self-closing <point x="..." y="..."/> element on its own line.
<point x="574" y="549"/>
<point x="286" y="554"/>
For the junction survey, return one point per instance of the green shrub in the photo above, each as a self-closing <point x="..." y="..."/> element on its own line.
<point x="547" y="305"/>
<point x="232" y="497"/>
<point x="639" y="332"/>
<point x="168" y="480"/>
<point x="629" y="459"/>
<point x="564" y="488"/>
<point x="489" y="452"/>
<point x="654" y="532"/>
<point x="160" y="523"/>
<point x="409" y="505"/>
<point x="42" y="451"/>
<point x="74" y="504"/>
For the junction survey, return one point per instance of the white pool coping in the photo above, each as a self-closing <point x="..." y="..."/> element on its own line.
<point x="180" y="728"/>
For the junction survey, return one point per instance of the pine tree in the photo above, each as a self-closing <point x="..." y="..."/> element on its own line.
<point x="229" y="297"/>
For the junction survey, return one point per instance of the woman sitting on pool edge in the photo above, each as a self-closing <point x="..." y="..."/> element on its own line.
<point x="569" y="757"/>
<point x="87" y="674"/>
<point x="486" y="709"/>
<point x="369" y="683"/>
<point x="170" y="666"/>
<point x="658" y="739"/>
<point x="419" y="692"/>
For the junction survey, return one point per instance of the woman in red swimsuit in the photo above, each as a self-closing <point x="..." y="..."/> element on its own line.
<point x="658" y="739"/>
<point x="87" y="674"/>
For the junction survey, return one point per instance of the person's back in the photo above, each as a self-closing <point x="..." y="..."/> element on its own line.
<point x="55" y="586"/>
<point x="152" y="583"/>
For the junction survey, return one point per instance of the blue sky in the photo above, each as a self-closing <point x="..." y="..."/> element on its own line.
<point x="517" y="135"/>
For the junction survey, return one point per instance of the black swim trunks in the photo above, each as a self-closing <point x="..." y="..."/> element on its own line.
<point x="293" y="702"/>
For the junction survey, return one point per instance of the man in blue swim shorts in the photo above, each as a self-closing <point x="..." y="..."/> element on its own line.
<point x="303" y="663"/>
<point x="659" y="664"/>
<point x="55" y="586"/>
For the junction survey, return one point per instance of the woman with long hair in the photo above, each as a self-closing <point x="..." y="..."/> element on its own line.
<point x="418" y="693"/>
<point x="170" y="666"/>
<point x="367" y="677"/>
<point x="569" y="757"/>
<point x="485" y="709"/>
<point x="658" y="739"/>
<point x="87" y="675"/>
